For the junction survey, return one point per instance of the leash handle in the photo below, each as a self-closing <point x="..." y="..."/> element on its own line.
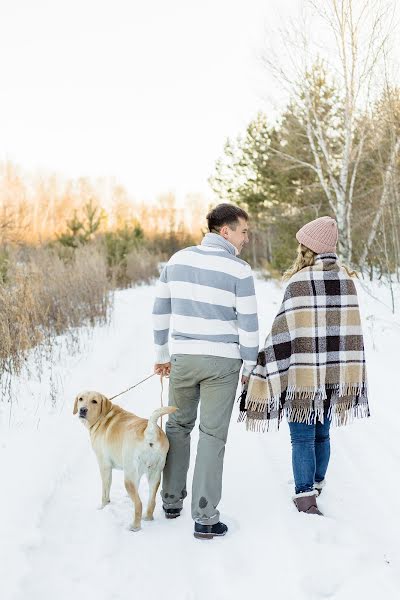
<point x="132" y="386"/>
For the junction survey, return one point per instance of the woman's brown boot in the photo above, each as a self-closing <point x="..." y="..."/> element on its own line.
<point x="307" y="502"/>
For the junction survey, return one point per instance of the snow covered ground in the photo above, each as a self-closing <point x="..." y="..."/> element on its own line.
<point x="55" y="544"/>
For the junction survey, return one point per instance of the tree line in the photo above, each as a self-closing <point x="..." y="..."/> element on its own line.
<point x="39" y="208"/>
<point x="334" y="149"/>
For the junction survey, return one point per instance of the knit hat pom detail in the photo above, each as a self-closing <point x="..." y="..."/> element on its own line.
<point x="320" y="235"/>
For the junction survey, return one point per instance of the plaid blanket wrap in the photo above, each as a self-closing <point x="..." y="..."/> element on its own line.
<point x="313" y="360"/>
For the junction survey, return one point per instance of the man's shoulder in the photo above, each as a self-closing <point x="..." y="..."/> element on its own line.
<point x="244" y="264"/>
<point x="180" y="253"/>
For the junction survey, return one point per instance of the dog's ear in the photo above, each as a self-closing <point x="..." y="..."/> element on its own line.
<point x="75" y="406"/>
<point x="105" y="405"/>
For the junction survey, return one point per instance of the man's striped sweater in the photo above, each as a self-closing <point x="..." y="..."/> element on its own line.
<point x="209" y="293"/>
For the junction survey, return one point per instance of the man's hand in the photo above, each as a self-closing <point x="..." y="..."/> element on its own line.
<point x="245" y="379"/>
<point x="163" y="369"/>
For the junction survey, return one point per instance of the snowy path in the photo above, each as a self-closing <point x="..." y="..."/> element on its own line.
<point x="55" y="544"/>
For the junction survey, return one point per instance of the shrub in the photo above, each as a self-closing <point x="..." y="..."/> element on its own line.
<point x="46" y="296"/>
<point x="4" y="264"/>
<point x="141" y="266"/>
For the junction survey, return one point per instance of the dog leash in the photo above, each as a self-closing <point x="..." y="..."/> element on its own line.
<point x="161" y="397"/>
<point x="142" y="381"/>
<point x="132" y="386"/>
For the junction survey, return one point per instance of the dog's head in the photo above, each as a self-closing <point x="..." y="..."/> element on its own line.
<point x="90" y="406"/>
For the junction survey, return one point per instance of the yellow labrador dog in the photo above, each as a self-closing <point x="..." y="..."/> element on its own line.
<point x="121" y="440"/>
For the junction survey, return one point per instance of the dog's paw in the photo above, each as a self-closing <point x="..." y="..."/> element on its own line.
<point x="148" y="518"/>
<point x="103" y="505"/>
<point x="133" y="528"/>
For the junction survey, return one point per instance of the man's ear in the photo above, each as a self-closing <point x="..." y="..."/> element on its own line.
<point x="224" y="231"/>
<point x="75" y="406"/>
<point x="105" y="405"/>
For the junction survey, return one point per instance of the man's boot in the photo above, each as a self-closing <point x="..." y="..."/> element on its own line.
<point x="172" y="513"/>
<point x="208" y="532"/>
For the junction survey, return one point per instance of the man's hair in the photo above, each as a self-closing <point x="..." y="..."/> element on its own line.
<point x="225" y="214"/>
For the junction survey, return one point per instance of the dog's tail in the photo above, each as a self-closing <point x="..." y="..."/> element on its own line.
<point x="150" y="431"/>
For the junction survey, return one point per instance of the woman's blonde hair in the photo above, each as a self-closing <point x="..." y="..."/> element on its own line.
<point x="306" y="258"/>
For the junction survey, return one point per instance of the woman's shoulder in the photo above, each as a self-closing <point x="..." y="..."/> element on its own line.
<point x="298" y="285"/>
<point x="300" y="276"/>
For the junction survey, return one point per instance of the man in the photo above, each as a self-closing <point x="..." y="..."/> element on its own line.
<point x="209" y="293"/>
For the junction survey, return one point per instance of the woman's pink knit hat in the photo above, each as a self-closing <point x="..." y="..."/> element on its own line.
<point x="320" y="235"/>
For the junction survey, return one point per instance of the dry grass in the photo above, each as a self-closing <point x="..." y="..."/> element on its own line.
<point x="44" y="297"/>
<point x="46" y="292"/>
<point x="141" y="266"/>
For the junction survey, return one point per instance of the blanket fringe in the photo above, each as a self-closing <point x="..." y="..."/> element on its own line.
<point x="258" y="404"/>
<point x="341" y="412"/>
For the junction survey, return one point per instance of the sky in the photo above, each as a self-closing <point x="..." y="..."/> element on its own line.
<point x="143" y="91"/>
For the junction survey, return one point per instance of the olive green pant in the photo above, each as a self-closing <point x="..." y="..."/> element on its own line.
<point x="213" y="381"/>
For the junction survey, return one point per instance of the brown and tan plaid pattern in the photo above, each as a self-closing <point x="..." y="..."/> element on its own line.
<point x="315" y="346"/>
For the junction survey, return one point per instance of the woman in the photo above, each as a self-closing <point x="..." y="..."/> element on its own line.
<point x="312" y="368"/>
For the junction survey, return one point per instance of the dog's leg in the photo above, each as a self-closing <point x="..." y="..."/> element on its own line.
<point x="132" y="487"/>
<point x="106" y="477"/>
<point x="154" y="478"/>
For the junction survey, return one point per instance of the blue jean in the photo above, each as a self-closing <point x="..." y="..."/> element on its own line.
<point x="310" y="453"/>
